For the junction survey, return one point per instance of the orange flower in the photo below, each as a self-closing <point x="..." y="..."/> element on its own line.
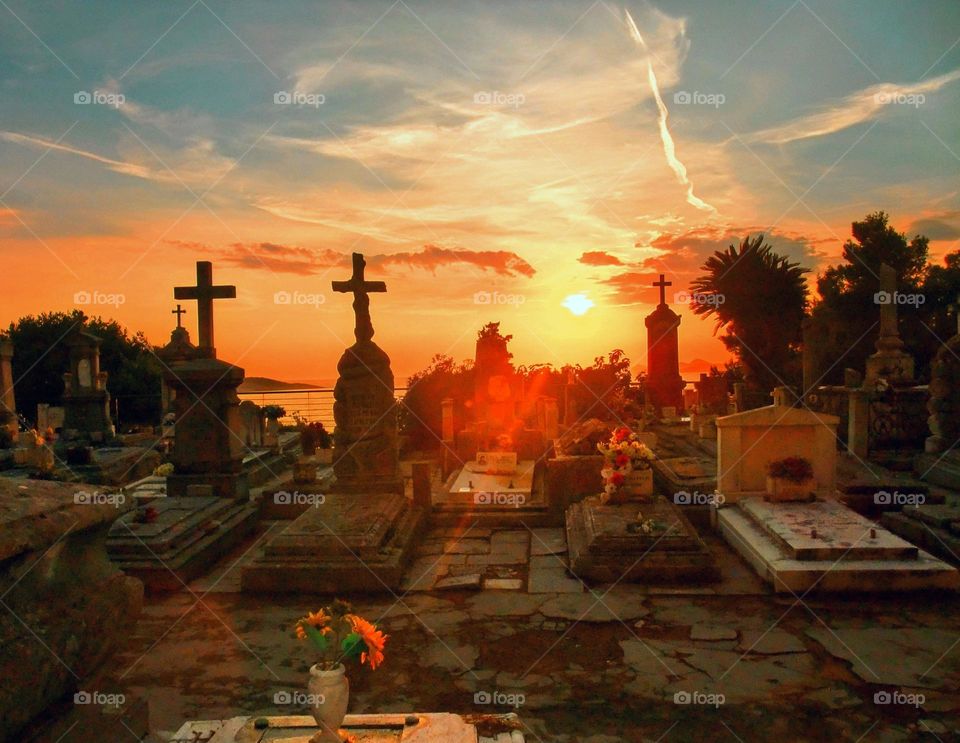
<point x="317" y="619"/>
<point x="373" y="638"/>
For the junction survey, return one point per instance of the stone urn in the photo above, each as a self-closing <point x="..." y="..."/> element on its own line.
<point x="329" y="696"/>
<point x="782" y="490"/>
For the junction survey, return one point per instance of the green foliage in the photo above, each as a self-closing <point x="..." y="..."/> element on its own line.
<point x="761" y="298"/>
<point x="421" y="415"/>
<point x="274" y="411"/>
<point x="41" y="357"/>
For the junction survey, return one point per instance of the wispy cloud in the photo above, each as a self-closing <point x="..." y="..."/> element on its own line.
<point x="118" y="166"/>
<point x="856" y="108"/>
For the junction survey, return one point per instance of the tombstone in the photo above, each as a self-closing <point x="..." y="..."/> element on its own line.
<point x="747" y="442"/>
<point x="49" y="416"/>
<point x="664" y="384"/>
<point x="8" y="404"/>
<point x="86" y="401"/>
<point x="940" y="462"/>
<point x="713" y="396"/>
<point x="360" y="535"/>
<point x="178" y="349"/>
<point x="889" y="362"/>
<point x="253" y="424"/>
<point x="207" y="510"/>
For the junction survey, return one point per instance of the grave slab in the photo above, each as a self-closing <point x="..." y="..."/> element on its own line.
<point x="350" y="543"/>
<point x="604" y="547"/>
<point x="784" y="553"/>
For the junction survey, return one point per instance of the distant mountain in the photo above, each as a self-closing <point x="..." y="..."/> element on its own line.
<point x="265" y="384"/>
<point x="698" y="365"/>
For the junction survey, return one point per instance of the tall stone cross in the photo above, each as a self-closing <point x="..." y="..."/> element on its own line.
<point x="361" y="290"/>
<point x="205" y="292"/>
<point x="663" y="288"/>
<point x="178" y="312"/>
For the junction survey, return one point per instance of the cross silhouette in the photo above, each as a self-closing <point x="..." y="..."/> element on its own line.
<point x="205" y="292"/>
<point x="663" y="287"/>
<point x="361" y="297"/>
<point x="178" y="312"/>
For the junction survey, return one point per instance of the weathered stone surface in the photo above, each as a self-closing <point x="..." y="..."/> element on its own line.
<point x="548" y="542"/>
<point x="593" y="607"/>
<point x="68" y="607"/>
<point x="712" y="633"/>
<point x="553" y="580"/>
<point x="472" y="580"/>
<point x="770" y="642"/>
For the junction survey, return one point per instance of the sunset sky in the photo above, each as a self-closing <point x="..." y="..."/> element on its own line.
<point x="517" y="153"/>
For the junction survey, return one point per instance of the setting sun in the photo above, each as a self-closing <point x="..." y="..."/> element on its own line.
<point x="578" y="304"/>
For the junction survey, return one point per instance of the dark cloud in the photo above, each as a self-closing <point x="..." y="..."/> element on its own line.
<point x="945" y="226"/>
<point x="599" y="258"/>
<point x="432" y="257"/>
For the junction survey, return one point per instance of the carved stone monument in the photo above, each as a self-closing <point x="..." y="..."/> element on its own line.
<point x="86" y="401"/>
<point x="8" y="405"/>
<point x="360" y="536"/>
<point x="664" y="384"/>
<point x="940" y="463"/>
<point x="889" y="362"/>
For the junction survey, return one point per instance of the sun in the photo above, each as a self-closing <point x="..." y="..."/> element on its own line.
<point x="578" y="304"/>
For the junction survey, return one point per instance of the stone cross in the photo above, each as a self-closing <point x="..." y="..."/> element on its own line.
<point x="663" y="288"/>
<point x="178" y="312"/>
<point x="205" y="292"/>
<point x="361" y="290"/>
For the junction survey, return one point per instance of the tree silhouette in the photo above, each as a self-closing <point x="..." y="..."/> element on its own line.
<point x="759" y="299"/>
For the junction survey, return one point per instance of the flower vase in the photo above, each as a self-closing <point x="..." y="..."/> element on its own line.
<point x="329" y="696"/>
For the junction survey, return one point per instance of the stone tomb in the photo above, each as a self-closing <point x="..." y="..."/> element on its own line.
<point x="185" y="537"/>
<point x="824" y="546"/>
<point x="604" y="547"/>
<point x="935" y="528"/>
<point x="349" y="543"/>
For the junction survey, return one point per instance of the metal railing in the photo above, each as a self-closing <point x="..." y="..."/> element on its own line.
<point x="313" y="404"/>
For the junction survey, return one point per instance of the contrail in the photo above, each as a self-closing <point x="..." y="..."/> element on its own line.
<point x="669" y="148"/>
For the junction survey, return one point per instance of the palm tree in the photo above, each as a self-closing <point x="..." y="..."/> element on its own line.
<point x="759" y="299"/>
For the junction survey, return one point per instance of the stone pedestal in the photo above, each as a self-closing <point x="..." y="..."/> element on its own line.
<point x="208" y="444"/>
<point x="605" y="547"/>
<point x="366" y="443"/>
<point x="86" y="401"/>
<point x="66" y="606"/>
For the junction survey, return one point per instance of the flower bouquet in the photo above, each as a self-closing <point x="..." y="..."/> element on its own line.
<point x="626" y="472"/>
<point x="338" y="635"/>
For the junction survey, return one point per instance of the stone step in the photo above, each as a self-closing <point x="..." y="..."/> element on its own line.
<point x="942" y="542"/>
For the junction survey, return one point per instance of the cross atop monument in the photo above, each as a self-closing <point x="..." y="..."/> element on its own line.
<point x="663" y="287"/>
<point x="361" y="297"/>
<point x="178" y="312"/>
<point x="205" y="292"/>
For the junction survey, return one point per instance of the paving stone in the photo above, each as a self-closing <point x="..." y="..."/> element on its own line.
<point x="500" y="558"/>
<point x="513" y="537"/>
<point x="548" y="561"/>
<point x="449" y="656"/>
<point x="712" y="633"/>
<point x="503" y="584"/>
<point x="548" y="542"/>
<point x="553" y="580"/>
<point x="503" y="604"/>
<point x="770" y="642"/>
<point x="585" y="607"/>
<point x="472" y="580"/>
<point x="834" y="698"/>
<point x="455" y="547"/>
